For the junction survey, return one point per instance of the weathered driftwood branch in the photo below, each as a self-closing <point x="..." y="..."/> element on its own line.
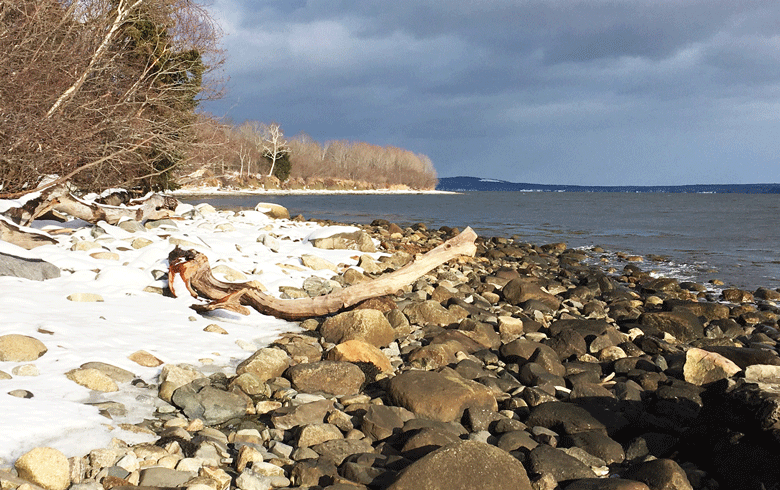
<point x="23" y="237"/>
<point x="192" y="268"/>
<point x="58" y="198"/>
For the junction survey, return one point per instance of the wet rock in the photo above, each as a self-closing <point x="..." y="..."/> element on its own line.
<point x="683" y="325"/>
<point x="544" y="459"/>
<point x="606" y="484"/>
<point x="421" y="442"/>
<point x="598" y="444"/>
<point x="367" y="325"/>
<point x="20" y="348"/>
<point x="440" y="395"/>
<point x="46" y="467"/>
<point x="744" y="357"/>
<point x="464" y="465"/>
<point x="335" y="378"/>
<point x="565" y="418"/>
<point x="662" y="474"/>
<point x="517" y="440"/>
<point x="520" y="290"/>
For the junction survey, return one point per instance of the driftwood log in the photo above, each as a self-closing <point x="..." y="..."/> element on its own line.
<point x="192" y="269"/>
<point x="58" y="198"/>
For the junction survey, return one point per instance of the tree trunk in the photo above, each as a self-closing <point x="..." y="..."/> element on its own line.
<point x="192" y="269"/>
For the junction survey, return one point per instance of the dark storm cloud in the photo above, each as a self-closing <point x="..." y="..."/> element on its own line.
<point x="643" y="91"/>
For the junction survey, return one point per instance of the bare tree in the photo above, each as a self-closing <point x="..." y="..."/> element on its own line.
<point x="274" y="146"/>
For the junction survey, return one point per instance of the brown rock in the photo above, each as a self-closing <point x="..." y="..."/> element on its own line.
<point x="266" y="363"/>
<point x="429" y="313"/>
<point x="359" y="351"/>
<point x="92" y="379"/>
<point x="660" y="474"/>
<point x="464" y="465"/>
<point x="367" y="325"/>
<point x="703" y="367"/>
<point x="20" y="348"/>
<point x="335" y="378"/>
<point x="442" y="395"/>
<point x="518" y="291"/>
<point x="145" y="359"/>
<point x="46" y="467"/>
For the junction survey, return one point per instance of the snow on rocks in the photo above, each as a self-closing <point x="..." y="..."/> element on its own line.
<point x="110" y="306"/>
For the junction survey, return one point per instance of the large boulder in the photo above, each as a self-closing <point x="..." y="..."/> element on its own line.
<point x="518" y="291"/>
<point x="335" y="378"/>
<point x="442" y="395"/>
<point x="464" y="465"/>
<point x="682" y="324"/>
<point x="367" y="325"/>
<point x="33" y="269"/>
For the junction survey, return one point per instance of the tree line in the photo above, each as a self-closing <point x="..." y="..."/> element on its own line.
<point x="243" y="154"/>
<point x="105" y="93"/>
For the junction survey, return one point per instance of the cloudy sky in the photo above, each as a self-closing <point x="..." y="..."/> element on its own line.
<point x="644" y="92"/>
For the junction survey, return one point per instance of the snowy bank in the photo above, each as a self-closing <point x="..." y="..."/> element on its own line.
<point x="108" y="305"/>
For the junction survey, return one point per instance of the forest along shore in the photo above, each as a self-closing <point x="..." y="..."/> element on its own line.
<point x="520" y="368"/>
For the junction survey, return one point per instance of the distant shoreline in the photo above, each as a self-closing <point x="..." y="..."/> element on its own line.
<point x="474" y="184"/>
<point x="216" y="192"/>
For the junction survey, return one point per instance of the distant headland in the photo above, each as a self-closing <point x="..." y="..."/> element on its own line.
<point x="461" y="184"/>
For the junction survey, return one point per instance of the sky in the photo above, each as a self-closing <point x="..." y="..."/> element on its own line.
<point x="620" y="92"/>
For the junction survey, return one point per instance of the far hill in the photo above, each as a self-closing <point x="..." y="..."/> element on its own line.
<point x="456" y="184"/>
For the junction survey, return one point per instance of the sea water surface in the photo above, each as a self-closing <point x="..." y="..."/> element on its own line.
<point x="734" y="238"/>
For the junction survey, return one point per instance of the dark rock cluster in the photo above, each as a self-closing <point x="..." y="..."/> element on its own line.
<point x="526" y="367"/>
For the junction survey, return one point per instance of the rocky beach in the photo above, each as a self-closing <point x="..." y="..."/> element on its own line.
<point x="527" y="366"/>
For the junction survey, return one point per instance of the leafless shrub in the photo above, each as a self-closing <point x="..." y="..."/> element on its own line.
<point x="100" y="92"/>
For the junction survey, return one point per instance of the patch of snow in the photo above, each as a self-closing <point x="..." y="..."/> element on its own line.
<point x="132" y="317"/>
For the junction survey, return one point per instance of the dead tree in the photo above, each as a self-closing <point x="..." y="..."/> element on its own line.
<point x="193" y="269"/>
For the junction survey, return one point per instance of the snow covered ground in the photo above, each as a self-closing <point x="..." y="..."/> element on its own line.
<point x="132" y="317"/>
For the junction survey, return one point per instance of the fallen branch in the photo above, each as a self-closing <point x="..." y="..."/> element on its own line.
<point x="58" y="198"/>
<point x="192" y="268"/>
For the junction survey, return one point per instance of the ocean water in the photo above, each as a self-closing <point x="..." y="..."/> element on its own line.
<point x="734" y="238"/>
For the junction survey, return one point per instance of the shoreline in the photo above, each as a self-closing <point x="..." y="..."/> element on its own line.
<point x="219" y="192"/>
<point x="493" y="329"/>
